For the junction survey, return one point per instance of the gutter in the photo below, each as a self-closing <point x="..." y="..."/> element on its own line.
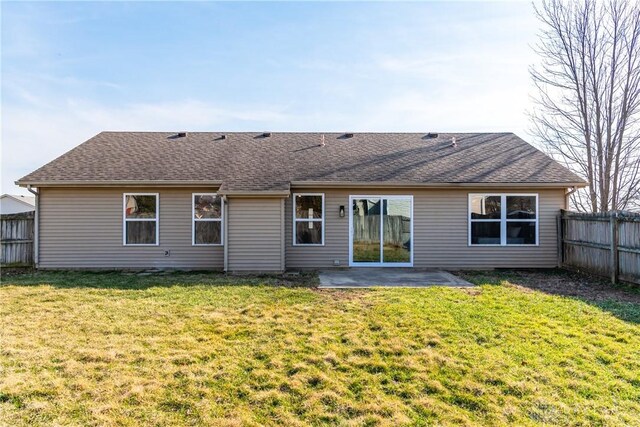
<point x="225" y="233"/>
<point x="255" y="194"/>
<point x="567" y="194"/>
<point x="299" y="184"/>
<point x="36" y="227"/>
<point x="444" y="185"/>
<point x="127" y="183"/>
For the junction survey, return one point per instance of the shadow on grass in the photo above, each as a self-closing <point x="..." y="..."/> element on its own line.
<point x="146" y="280"/>
<point x="621" y="300"/>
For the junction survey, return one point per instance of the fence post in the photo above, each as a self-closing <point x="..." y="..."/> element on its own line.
<point x="613" y="221"/>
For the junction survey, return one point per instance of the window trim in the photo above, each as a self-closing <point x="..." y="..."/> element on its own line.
<point x="194" y="220"/>
<point x="296" y="220"/>
<point x="125" y="219"/>
<point x="503" y="219"/>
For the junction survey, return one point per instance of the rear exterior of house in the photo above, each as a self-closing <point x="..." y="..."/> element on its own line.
<point x="302" y="201"/>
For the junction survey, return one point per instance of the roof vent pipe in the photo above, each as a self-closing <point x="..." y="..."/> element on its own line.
<point x="453" y="142"/>
<point x="322" y="144"/>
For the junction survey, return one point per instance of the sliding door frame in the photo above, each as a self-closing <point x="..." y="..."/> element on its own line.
<point x="382" y="198"/>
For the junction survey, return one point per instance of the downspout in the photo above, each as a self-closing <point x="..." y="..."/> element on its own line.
<point x="36" y="227"/>
<point x="225" y="246"/>
<point x="567" y="195"/>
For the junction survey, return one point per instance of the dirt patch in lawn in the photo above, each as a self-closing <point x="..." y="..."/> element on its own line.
<point x="15" y="271"/>
<point x="560" y="282"/>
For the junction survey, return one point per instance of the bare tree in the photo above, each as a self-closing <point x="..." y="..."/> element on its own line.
<point x="587" y="107"/>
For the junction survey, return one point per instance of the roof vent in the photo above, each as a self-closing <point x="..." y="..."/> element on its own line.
<point x="322" y="144"/>
<point x="348" y="135"/>
<point x="453" y="141"/>
<point x="266" y="134"/>
<point x="182" y="134"/>
<point x="432" y="135"/>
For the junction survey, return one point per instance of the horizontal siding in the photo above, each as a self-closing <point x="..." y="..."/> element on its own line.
<point x="440" y="232"/>
<point x="336" y="234"/>
<point x="82" y="228"/>
<point x="255" y="235"/>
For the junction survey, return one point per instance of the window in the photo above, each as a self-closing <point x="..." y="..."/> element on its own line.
<point x="308" y="219"/>
<point x="503" y="219"/>
<point x="140" y="214"/>
<point x="207" y="219"/>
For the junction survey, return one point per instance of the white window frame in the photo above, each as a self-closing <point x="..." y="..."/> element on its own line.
<point x="125" y="219"/>
<point x="297" y="220"/>
<point x="503" y="219"/>
<point x="194" y="220"/>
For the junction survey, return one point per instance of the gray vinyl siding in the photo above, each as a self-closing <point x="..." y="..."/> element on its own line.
<point x="440" y="233"/>
<point x="82" y="228"/>
<point x="255" y="234"/>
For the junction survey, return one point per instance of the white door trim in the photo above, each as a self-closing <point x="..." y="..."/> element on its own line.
<point x="381" y="263"/>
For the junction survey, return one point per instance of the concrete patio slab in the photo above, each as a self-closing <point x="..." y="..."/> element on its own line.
<point x="387" y="277"/>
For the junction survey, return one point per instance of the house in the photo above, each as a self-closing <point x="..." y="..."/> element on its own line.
<point x="14" y="203"/>
<point x="293" y="201"/>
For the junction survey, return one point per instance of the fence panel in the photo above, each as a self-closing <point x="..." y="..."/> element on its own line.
<point x="396" y="229"/>
<point x="16" y="239"/>
<point x="607" y="244"/>
<point x="628" y="258"/>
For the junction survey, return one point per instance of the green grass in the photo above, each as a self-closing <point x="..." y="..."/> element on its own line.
<point x="205" y="349"/>
<point x="370" y="252"/>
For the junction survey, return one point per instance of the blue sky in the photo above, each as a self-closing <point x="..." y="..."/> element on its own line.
<point x="71" y="70"/>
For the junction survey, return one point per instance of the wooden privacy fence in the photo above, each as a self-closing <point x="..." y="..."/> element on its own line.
<point x="607" y="244"/>
<point x="396" y="229"/>
<point x="16" y="239"/>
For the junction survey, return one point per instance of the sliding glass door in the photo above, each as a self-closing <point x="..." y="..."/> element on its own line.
<point x="381" y="231"/>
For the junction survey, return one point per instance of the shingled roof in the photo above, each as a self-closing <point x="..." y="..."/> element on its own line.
<point x="252" y="162"/>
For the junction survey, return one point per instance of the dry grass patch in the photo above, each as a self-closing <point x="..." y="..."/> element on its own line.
<point x="83" y="349"/>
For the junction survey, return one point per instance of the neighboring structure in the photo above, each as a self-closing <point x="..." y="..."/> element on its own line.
<point x="276" y="201"/>
<point x="13" y="204"/>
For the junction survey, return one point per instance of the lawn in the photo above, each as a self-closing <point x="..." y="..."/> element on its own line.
<point x="205" y="349"/>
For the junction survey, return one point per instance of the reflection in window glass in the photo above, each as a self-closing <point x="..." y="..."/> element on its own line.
<point x="208" y="232"/>
<point x="308" y="221"/>
<point x="141" y="232"/>
<point x="207" y="206"/>
<point x="143" y="206"/>
<point x="521" y="207"/>
<point x="366" y="230"/>
<point x="396" y="227"/>
<point x="207" y="219"/>
<point x="485" y="207"/>
<point x="308" y="206"/>
<point x="503" y="219"/>
<point x="309" y="232"/>
<point x="485" y="233"/>
<point x="140" y="219"/>
<point x="521" y="233"/>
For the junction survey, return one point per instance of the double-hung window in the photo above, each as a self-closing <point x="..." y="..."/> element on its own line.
<point x="308" y="219"/>
<point x="207" y="219"/>
<point x="503" y="219"/>
<point x="140" y="217"/>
